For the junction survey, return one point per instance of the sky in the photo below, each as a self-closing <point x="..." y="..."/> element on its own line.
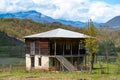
<point x="76" y="10"/>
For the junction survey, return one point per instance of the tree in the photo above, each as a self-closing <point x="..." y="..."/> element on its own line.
<point x="107" y="47"/>
<point x="91" y="43"/>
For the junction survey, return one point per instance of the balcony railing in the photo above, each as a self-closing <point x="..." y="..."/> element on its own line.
<point x="37" y="50"/>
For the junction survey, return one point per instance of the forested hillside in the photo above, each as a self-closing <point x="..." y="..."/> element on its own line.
<point x="12" y="32"/>
<point x="6" y="40"/>
<point x="18" y="28"/>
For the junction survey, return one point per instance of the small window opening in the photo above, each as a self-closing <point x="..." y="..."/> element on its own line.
<point x="40" y="61"/>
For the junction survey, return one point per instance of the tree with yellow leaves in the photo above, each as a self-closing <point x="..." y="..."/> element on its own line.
<point x="91" y="43"/>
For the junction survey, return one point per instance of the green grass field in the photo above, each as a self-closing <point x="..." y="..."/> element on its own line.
<point x="12" y="51"/>
<point x="43" y="75"/>
<point x="108" y="72"/>
<point x="11" y="60"/>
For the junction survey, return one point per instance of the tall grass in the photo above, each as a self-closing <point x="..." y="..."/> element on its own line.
<point x="14" y="69"/>
<point x="46" y="75"/>
<point x="22" y="74"/>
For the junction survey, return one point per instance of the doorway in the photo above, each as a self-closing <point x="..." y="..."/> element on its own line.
<point x="32" y="61"/>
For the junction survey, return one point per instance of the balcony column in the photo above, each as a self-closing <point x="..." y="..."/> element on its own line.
<point x="55" y="48"/>
<point x="79" y="48"/>
<point x="63" y="49"/>
<point x="71" y="48"/>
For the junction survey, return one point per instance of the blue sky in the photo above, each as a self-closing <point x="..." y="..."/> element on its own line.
<point x="109" y="1"/>
<point x="76" y="10"/>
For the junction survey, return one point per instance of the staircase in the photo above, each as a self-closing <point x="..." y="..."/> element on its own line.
<point x="66" y="63"/>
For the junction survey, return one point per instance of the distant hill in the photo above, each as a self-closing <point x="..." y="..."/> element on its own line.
<point x="39" y="17"/>
<point x="19" y="28"/>
<point x="113" y="23"/>
<point x="6" y="40"/>
<point x="72" y="23"/>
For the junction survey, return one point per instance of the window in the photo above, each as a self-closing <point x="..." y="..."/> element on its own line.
<point x="67" y="46"/>
<point x="52" y="47"/>
<point x="81" y="45"/>
<point x="32" y="48"/>
<point x="32" y="61"/>
<point x="40" y="61"/>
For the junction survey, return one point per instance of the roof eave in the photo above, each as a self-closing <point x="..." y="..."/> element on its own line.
<point x="58" y="37"/>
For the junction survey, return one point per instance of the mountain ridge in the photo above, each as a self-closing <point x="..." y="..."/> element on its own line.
<point x="34" y="15"/>
<point x="113" y="23"/>
<point x="41" y="18"/>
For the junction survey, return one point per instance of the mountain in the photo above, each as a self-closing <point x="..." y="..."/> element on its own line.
<point x="72" y="23"/>
<point x="36" y="16"/>
<point x="113" y="23"/>
<point x="39" y="17"/>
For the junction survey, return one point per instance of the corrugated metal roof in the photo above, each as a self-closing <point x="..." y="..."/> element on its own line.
<point x="58" y="33"/>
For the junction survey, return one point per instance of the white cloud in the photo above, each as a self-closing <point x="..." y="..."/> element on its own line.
<point x="66" y="9"/>
<point x="101" y="12"/>
<point x="80" y="10"/>
<point x="16" y="5"/>
<point x="3" y="5"/>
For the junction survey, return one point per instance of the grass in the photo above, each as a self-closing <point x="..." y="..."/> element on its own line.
<point x="45" y="75"/>
<point x="55" y="75"/>
<point x="8" y="51"/>
<point x="102" y="67"/>
<point x="22" y="74"/>
<point x="11" y="60"/>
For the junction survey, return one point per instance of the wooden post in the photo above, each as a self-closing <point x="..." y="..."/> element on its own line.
<point x="71" y="49"/>
<point x="79" y="46"/>
<point x="55" y="48"/>
<point x="39" y="50"/>
<point x="63" y="49"/>
<point x="85" y="60"/>
<point x="72" y="60"/>
<point x="10" y="67"/>
<point x="78" y="49"/>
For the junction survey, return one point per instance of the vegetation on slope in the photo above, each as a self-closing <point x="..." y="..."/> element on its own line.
<point x="6" y="40"/>
<point x="18" y="28"/>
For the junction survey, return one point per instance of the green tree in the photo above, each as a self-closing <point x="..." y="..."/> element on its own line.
<point x="91" y="43"/>
<point x="107" y="47"/>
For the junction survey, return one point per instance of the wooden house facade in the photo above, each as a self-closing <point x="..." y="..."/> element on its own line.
<point x="57" y="49"/>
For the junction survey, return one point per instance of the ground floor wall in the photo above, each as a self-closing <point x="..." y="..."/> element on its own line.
<point x="51" y="63"/>
<point x="37" y="62"/>
<point x="28" y="62"/>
